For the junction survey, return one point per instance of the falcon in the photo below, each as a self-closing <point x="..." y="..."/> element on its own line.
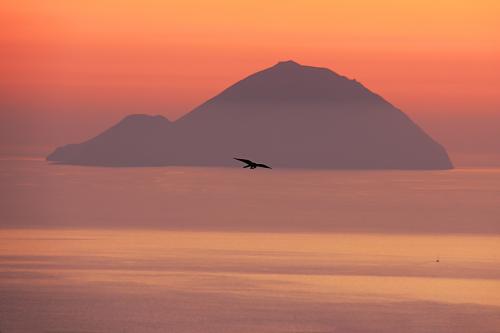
<point x="252" y="165"/>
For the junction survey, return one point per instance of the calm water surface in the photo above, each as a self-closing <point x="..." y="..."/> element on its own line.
<point x="227" y="250"/>
<point x="38" y="195"/>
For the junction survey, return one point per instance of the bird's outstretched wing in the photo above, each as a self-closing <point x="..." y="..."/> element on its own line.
<point x="263" y="166"/>
<point x="243" y="160"/>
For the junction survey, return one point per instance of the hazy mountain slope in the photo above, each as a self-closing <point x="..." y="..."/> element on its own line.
<point x="138" y="140"/>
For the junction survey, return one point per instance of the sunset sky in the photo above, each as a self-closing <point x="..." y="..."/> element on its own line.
<point x="69" y="69"/>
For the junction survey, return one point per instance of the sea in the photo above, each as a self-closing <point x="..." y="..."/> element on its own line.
<point x="185" y="249"/>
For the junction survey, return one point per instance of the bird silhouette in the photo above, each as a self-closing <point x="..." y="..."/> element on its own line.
<point x="252" y="165"/>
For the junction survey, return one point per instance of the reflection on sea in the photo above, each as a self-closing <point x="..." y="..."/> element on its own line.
<point x="152" y="281"/>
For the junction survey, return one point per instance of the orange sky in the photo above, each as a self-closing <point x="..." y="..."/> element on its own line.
<point x="71" y="68"/>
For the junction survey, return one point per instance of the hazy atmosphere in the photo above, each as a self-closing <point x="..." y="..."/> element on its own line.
<point x="250" y="166"/>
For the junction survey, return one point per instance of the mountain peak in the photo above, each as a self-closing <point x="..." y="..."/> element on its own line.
<point x="296" y="83"/>
<point x="288" y="63"/>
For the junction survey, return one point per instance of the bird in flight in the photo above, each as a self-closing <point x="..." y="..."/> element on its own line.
<point x="252" y="165"/>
